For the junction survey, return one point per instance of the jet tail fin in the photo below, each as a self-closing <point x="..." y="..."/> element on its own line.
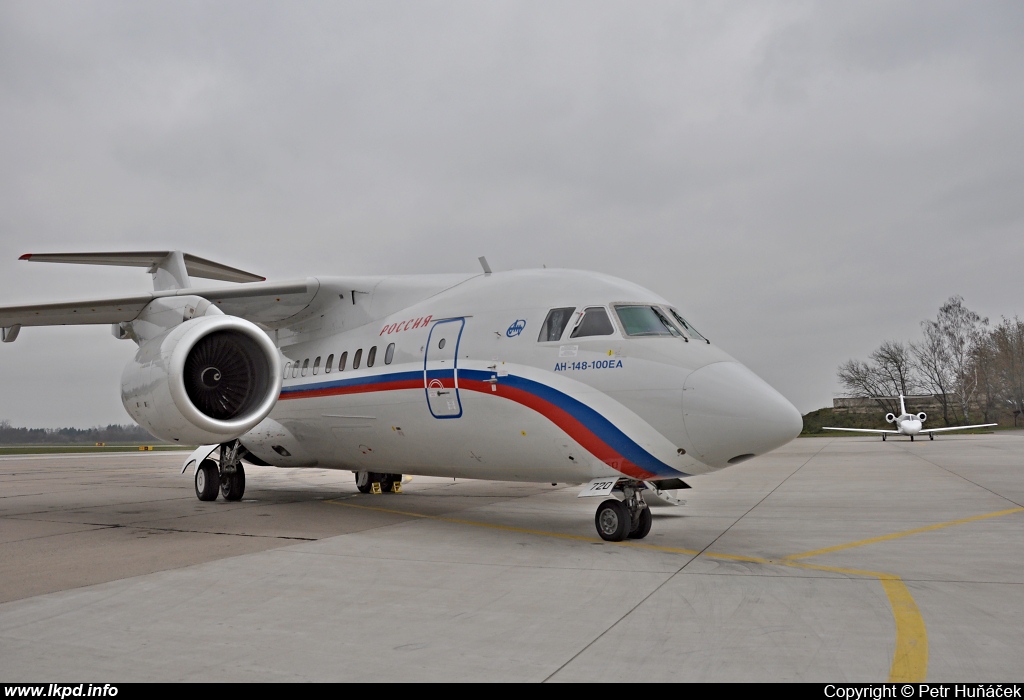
<point x="171" y="269"/>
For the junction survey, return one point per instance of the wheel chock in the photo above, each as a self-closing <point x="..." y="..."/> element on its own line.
<point x="396" y="487"/>
<point x="375" y="488"/>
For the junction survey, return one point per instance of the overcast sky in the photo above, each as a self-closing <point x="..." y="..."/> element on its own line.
<point x="804" y="180"/>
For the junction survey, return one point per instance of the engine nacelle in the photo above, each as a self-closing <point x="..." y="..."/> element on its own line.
<point x="209" y="379"/>
<point x="922" y="416"/>
<point x="890" y="418"/>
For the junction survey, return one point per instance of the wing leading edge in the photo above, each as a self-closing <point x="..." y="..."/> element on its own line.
<point x="865" y="430"/>
<point x="959" y="427"/>
<point x="257" y="302"/>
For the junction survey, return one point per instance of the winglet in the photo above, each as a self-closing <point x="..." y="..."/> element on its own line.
<point x="26" y="256"/>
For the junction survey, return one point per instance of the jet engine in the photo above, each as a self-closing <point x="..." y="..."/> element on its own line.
<point x="922" y="416"/>
<point x="207" y="380"/>
<point x="890" y="418"/>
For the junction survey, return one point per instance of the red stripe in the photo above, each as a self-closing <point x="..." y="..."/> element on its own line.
<point x="353" y="389"/>
<point x="560" y="417"/>
<point x="567" y="422"/>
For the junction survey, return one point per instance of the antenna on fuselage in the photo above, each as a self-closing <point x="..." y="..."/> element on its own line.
<point x="484" y="265"/>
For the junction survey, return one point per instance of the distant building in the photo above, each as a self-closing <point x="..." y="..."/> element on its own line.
<point x="929" y="403"/>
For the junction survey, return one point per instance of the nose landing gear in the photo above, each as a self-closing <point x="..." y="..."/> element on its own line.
<point x="617" y="520"/>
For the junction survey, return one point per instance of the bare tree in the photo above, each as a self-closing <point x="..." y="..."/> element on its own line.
<point x="984" y="361"/>
<point x="946" y="356"/>
<point x="893" y="362"/>
<point x="1008" y="344"/>
<point x="889" y="374"/>
<point x="932" y="364"/>
<point x="963" y="330"/>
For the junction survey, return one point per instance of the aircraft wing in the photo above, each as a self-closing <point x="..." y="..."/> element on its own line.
<point x="959" y="427"/>
<point x="257" y="302"/>
<point x="865" y="430"/>
<point x="75" y="312"/>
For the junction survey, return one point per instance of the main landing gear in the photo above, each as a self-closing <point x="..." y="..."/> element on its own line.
<point x="226" y="479"/>
<point x="373" y="482"/>
<point x="631" y="517"/>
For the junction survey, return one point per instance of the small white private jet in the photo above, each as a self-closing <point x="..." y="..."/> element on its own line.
<point x="909" y="424"/>
<point x="530" y="375"/>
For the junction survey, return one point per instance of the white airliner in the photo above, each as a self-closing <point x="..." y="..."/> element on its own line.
<point x="909" y="424"/>
<point x="531" y="375"/>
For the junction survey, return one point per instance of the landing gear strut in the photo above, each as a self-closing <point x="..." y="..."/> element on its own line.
<point x="232" y="475"/>
<point x="616" y="520"/>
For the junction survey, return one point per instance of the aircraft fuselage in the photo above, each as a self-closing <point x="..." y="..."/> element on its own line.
<point x="460" y="376"/>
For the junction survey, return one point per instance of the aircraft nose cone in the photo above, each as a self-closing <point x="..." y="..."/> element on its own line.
<point x="731" y="414"/>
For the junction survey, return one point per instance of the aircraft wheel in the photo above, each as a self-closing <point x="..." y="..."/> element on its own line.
<point x="883" y="438"/>
<point x="931" y="436"/>
<point x="612" y="520"/>
<point x="207" y="480"/>
<point x="233" y="486"/>
<point x="364" y="481"/>
<point x="911" y="438"/>
<point x="388" y="481"/>
<point x="643" y="527"/>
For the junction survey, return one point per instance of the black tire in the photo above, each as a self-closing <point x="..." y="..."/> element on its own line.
<point x="612" y="520"/>
<point x="883" y="438"/>
<point x="232" y="487"/>
<point x="207" y="480"/>
<point x="643" y="528"/>
<point x="388" y="481"/>
<point x="364" y="481"/>
<point x="911" y="438"/>
<point x="930" y="436"/>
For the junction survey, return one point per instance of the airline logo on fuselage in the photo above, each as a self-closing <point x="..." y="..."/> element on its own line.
<point x="516" y="328"/>
<point x="420" y="322"/>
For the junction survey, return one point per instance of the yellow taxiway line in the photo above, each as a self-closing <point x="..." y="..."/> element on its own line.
<point x="910" y="657"/>
<point x="904" y="533"/>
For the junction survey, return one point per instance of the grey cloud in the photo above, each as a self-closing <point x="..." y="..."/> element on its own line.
<point x="804" y="179"/>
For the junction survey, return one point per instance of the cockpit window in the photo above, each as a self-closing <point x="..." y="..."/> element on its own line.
<point x="595" y="321"/>
<point x="646" y="321"/>
<point x="687" y="327"/>
<point x="555" y="324"/>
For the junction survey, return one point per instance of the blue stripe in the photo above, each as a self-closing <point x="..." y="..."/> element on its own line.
<point x="592" y="420"/>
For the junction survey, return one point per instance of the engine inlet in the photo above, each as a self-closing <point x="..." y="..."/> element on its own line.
<point x="226" y="375"/>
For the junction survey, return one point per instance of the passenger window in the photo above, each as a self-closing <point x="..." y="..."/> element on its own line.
<point x="595" y="321"/>
<point x="646" y="321"/>
<point x="389" y="354"/>
<point x="356" y="358"/>
<point x="342" y="360"/>
<point x="687" y="327"/>
<point x="305" y="366"/>
<point x="295" y="369"/>
<point x="555" y="323"/>
<point x="330" y="361"/>
<point x="316" y="365"/>
<point x="371" y="356"/>
<point x="287" y="369"/>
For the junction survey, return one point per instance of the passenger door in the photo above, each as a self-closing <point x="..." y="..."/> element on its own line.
<point x="441" y="370"/>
